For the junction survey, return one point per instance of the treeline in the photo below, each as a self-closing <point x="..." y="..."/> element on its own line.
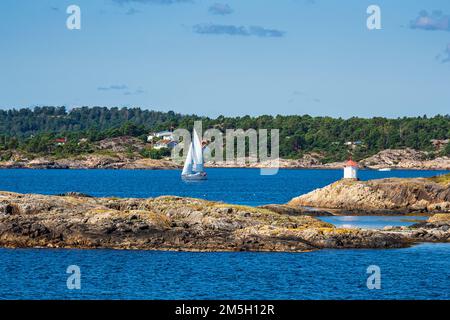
<point x="34" y="130"/>
<point x="26" y="122"/>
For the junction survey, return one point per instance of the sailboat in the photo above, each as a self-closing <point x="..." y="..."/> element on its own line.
<point x="193" y="165"/>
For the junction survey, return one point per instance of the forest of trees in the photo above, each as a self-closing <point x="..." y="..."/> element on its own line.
<point x="34" y="130"/>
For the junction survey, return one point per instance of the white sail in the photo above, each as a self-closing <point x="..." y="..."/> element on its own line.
<point x="197" y="153"/>
<point x="187" y="169"/>
<point x="193" y="165"/>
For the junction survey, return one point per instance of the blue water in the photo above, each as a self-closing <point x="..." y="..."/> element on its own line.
<point x="239" y="186"/>
<point x="420" y="272"/>
<point x="372" y="222"/>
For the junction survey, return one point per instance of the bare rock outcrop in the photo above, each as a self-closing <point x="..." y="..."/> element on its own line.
<point x="120" y="144"/>
<point x="309" y="160"/>
<point x="295" y="210"/>
<point x="405" y="159"/>
<point x="93" y="161"/>
<point x="435" y="229"/>
<point x="381" y="196"/>
<point x="169" y="223"/>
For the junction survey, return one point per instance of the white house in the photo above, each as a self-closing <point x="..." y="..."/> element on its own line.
<point x="353" y="144"/>
<point x="351" y="170"/>
<point x="60" y="141"/>
<point x="161" y="144"/>
<point x="164" y="135"/>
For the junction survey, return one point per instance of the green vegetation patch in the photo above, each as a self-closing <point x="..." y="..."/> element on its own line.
<point x="61" y="133"/>
<point x="442" y="179"/>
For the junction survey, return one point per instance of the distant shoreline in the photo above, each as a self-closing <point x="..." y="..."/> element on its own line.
<point x="254" y="168"/>
<point x="398" y="159"/>
<point x="324" y="167"/>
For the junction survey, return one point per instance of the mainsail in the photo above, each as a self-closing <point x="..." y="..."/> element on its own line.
<point x="197" y="153"/>
<point x="194" y="158"/>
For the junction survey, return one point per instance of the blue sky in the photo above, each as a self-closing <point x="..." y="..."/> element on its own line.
<point x="229" y="57"/>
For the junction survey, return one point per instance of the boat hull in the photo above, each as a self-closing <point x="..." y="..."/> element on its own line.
<point x="195" y="176"/>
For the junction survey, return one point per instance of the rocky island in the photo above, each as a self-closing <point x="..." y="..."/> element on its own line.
<point x="382" y="196"/>
<point x="185" y="224"/>
<point x="169" y="223"/>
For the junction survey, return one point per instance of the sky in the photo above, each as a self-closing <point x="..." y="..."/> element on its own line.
<point x="230" y="57"/>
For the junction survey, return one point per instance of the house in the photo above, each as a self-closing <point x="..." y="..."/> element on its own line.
<point x="351" y="170"/>
<point x="164" y="135"/>
<point x="60" y="141"/>
<point x="167" y="135"/>
<point x="353" y="144"/>
<point x="82" y="141"/>
<point x="164" y="143"/>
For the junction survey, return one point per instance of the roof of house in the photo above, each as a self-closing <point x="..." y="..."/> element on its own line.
<point x="165" y="142"/>
<point x="164" y="133"/>
<point x="351" y="163"/>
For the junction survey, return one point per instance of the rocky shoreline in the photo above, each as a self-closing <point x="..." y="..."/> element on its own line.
<point x="116" y="159"/>
<point x="185" y="224"/>
<point x="91" y="162"/>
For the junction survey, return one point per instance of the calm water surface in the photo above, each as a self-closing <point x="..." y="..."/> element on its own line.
<point x="420" y="272"/>
<point x="373" y="222"/>
<point x="239" y="186"/>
